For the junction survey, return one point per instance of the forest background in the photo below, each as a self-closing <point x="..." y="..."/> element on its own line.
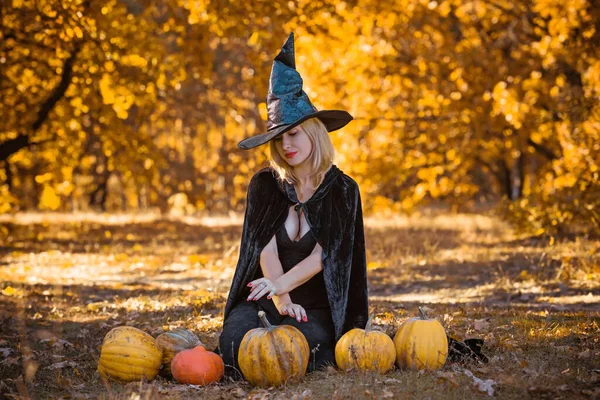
<point x="129" y="105"/>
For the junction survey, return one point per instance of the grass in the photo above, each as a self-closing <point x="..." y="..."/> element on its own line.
<point x="66" y="280"/>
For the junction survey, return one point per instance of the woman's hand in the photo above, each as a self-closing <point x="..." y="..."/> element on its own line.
<point x="260" y="287"/>
<point x="294" y="311"/>
<point x="285" y="307"/>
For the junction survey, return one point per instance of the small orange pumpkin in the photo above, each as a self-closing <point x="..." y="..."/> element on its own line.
<point x="197" y="366"/>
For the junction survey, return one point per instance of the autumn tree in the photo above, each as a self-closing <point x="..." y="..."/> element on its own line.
<point x="125" y="104"/>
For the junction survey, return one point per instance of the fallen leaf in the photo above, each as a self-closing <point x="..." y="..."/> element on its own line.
<point x="481" y="325"/>
<point x="63" y="364"/>
<point x="448" y="376"/>
<point x="584" y="354"/>
<point x="10" y="361"/>
<point x="483" y="385"/>
<point x="5" y="351"/>
<point x="12" y="292"/>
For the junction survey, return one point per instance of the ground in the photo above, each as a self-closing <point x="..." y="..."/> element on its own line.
<point x="66" y="280"/>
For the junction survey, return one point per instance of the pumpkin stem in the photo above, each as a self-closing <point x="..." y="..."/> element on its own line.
<point x="265" y="321"/>
<point x="368" y="326"/>
<point x="422" y="312"/>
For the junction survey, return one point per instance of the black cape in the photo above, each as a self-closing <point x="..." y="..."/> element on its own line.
<point x="334" y="214"/>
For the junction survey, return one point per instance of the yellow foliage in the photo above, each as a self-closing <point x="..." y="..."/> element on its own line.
<point x="49" y="200"/>
<point x="157" y="101"/>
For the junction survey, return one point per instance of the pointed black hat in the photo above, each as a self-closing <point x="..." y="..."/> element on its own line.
<point x="287" y="104"/>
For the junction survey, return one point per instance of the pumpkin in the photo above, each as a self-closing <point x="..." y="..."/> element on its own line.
<point x="421" y="343"/>
<point x="366" y="350"/>
<point x="197" y="366"/>
<point x="273" y="355"/>
<point x="129" y="354"/>
<point x="171" y="343"/>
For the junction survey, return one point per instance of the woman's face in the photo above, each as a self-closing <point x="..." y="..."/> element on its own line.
<point x="294" y="146"/>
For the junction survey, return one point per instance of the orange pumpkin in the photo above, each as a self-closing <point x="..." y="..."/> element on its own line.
<point x="197" y="366"/>
<point x="273" y="355"/>
<point x="171" y="343"/>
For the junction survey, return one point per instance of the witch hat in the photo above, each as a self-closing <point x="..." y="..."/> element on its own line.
<point x="287" y="104"/>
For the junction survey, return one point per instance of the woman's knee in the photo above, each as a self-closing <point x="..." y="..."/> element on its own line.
<point x="241" y="319"/>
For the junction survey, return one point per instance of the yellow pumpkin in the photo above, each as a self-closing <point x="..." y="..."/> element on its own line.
<point x="171" y="343"/>
<point x="421" y="343"/>
<point x="273" y="355"/>
<point x="129" y="354"/>
<point x="366" y="350"/>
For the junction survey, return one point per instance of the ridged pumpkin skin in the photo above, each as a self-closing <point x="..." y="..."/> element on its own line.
<point x="171" y="343"/>
<point x="273" y="355"/>
<point x="129" y="354"/>
<point x="197" y="366"/>
<point x="421" y="343"/>
<point x="365" y="350"/>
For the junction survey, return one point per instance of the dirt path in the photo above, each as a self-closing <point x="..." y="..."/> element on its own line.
<point x="65" y="282"/>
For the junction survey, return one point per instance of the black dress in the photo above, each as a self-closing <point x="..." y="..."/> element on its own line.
<point x="318" y="330"/>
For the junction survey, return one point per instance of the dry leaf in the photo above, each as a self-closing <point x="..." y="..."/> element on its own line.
<point x="481" y="325"/>
<point x="10" y="361"/>
<point x="448" y="376"/>
<point x="5" y="351"/>
<point x="584" y="354"/>
<point x="483" y="385"/>
<point x="63" y="364"/>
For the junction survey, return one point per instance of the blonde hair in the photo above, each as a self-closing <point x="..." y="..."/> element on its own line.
<point x="321" y="156"/>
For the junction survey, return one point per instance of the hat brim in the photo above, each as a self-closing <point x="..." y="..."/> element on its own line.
<point x="332" y="119"/>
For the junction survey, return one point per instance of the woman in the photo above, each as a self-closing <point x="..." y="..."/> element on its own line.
<point x="302" y="253"/>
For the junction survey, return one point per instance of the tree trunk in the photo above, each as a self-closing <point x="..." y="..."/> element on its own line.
<point x="22" y="141"/>
<point x="505" y="178"/>
<point x="521" y="175"/>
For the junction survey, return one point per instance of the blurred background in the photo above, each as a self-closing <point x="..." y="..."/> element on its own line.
<point x="136" y="105"/>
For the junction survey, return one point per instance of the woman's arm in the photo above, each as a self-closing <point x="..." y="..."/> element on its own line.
<point x="269" y="261"/>
<point x="280" y="284"/>
<point x="301" y="273"/>
<point x="272" y="269"/>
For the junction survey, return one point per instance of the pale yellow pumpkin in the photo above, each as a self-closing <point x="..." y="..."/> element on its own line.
<point x="129" y="354"/>
<point x="273" y="355"/>
<point x="366" y="350"/>
<point x="171" y="343"/>
<point x="421" y="343"/>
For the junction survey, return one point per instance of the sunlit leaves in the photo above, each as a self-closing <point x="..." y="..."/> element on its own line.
<point x="49" y="200"/>
<point x="453" y="100"/>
